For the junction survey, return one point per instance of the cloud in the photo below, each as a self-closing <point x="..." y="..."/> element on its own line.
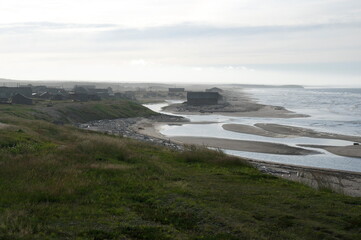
<point x="196" y="31"/>
<point x="151" y="13"/>
<point x="139" y="62"/>
<point x="29" y="27"/>
<point x="229" y="37"/>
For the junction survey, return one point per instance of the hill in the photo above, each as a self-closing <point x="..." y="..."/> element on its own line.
<point x="60" y="182"/>
<point x="76" y="112"/>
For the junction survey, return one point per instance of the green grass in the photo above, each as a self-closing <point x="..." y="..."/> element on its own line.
<point x="75" y="112"/>
<point x="59" y="182"/>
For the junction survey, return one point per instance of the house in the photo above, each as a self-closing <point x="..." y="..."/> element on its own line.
<point x="203" y="98"/>
<point x="45" y="95"/>
<point x="130" y="95"/>
<point x="21" y="99"/>
<point x="8" y="92"/>
<point x="215" y="89"/>
<point x="4" y="101"/>
<point x="87" y="87"/>
<point x="176" y="90"/>
<point x="58" y="97"/>
<point x="84" y="97"/>
<point x="103" y="93"/>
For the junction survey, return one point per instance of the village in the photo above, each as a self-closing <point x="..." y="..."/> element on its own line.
<point x="29" y="94"/>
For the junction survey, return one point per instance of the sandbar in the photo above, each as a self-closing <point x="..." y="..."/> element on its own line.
<point x="346" y="151"/>
<point x="243" y="145"/>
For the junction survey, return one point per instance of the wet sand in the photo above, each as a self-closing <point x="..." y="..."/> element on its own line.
<point x="346" y="151"/>
<point x="242" y="145"/>
<point x="276" y="130"/>
<point x="304" y="132"/>
<point x="241" y="128"/>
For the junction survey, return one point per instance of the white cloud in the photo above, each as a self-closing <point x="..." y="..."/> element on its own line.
<point x="93" y="39"/>
<point x="145" y="13"/>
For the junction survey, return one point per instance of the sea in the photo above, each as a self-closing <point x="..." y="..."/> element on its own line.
<point x="333" y="110"/>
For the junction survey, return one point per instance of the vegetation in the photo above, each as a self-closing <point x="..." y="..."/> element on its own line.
<point x="59" y="182"/>
<point x="76" y="112"/>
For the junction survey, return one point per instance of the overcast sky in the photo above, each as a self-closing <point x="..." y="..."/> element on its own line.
<point x="309" y="42"/>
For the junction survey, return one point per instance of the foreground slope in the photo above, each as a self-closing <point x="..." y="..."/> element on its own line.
<point x="59" y="182"/>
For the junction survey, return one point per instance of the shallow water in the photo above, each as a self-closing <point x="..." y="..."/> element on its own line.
<point x="331" y="123"/>
<point x="331" y="109"/>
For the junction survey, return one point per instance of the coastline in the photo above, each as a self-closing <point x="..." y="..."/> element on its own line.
<point x="145" y="129"/>
<point x="284" y="131"/>
<point x="148" y="129"/>
<point x="341" y="181"/>
<point x="238" y="105"/>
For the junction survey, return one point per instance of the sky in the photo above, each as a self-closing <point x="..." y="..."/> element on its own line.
<point x="308" y="42"/>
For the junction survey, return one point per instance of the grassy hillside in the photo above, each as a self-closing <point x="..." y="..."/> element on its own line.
<point x="76" y="112"/>
<point x="59" y="182"/>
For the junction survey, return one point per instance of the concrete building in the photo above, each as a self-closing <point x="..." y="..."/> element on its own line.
<point x="203" y="98"/>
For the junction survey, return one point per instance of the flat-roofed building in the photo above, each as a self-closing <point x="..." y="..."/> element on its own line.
<point x="203" y="98"/>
